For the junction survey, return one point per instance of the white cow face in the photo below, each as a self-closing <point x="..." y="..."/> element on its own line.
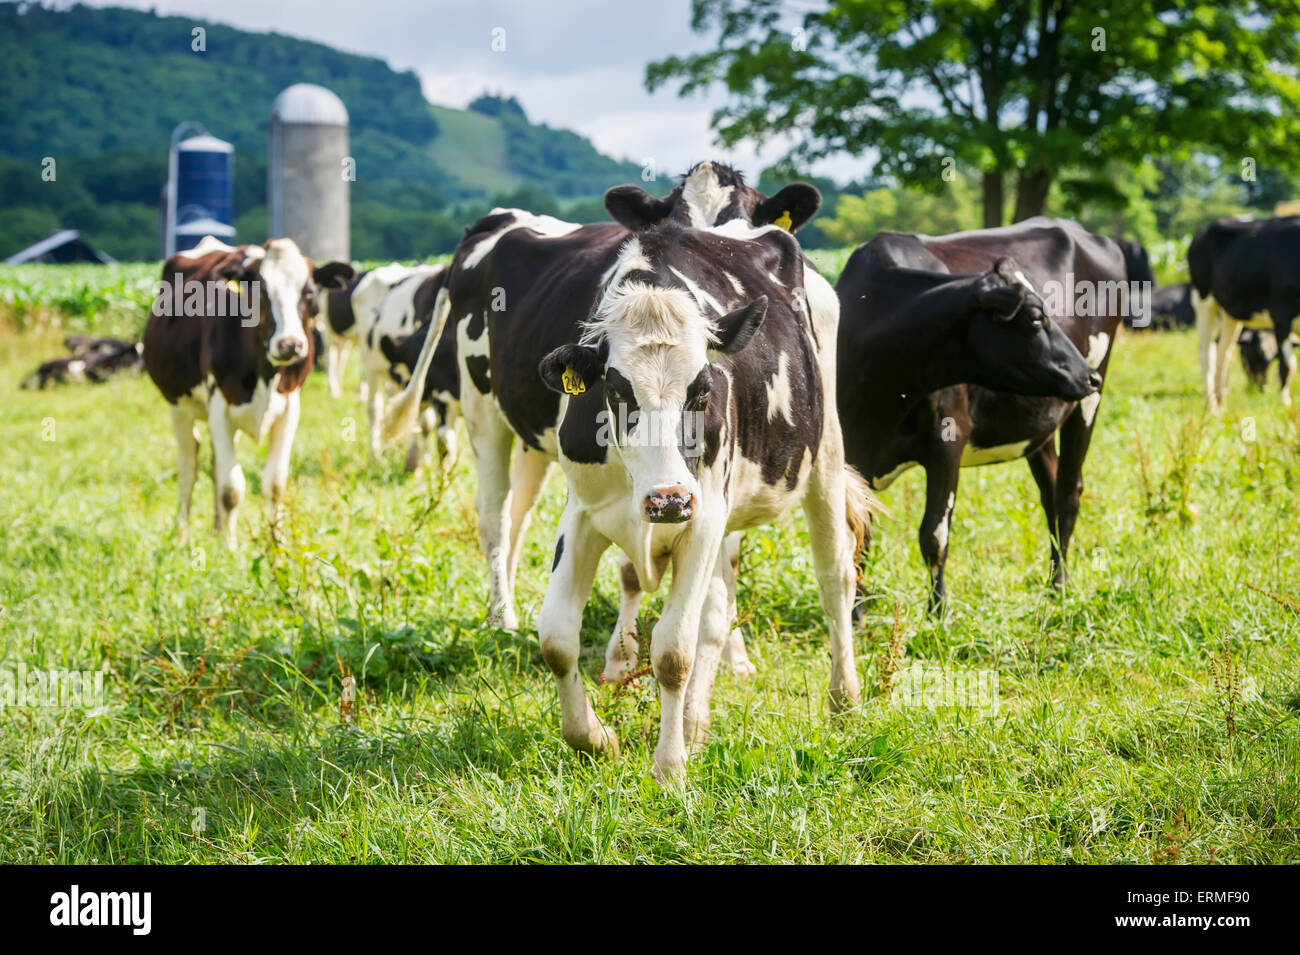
<point x="652" y="365"/>
<point x="289" y="284"/>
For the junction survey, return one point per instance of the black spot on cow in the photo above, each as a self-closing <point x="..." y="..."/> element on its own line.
<point x="559" y="552"/>
<point x="478" y="368"/>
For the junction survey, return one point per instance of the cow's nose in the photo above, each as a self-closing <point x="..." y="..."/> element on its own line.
<point x="1094" y="380"/>
<point x="668" y="505"/>
<point x="290" y="348"/>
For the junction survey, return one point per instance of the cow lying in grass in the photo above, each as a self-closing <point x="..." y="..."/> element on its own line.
<point x="229" y="340"/>
<point x="696" y="404"/>
<point x="93" y="359"/>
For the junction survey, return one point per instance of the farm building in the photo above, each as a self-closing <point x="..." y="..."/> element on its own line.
<point x="63" y="246"/>
<point x="307" y="174"/>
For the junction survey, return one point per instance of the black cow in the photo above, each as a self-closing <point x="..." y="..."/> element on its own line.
<point x="920" y="314"/>
<point x="520" y="286"/>
<point x="340" y="323"/>
<point x="1243" y="273"/>
<point x="695" y="405"/>
<point x="1171" y="307"/>
<point x="229" y="340"/>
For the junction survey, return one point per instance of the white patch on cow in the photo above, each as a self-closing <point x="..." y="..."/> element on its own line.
<point x="467" y="347"/>
<point x="1020" y="277"/>
<point x="973" y="457"/>
<point x="704" y="196"/>
<point x="284" y="275"/>
<point x="941" y="529"/>
<point x="735" y="283"/>
<point x="702" y="298"/>
<point x="889" y="478"/>
<point x="778" y="392"/>
<point x="772" y="277"/>
<point x="1097" y="346"/>
<point x="77" y="370"/>
<point x="630" y="259"/>
<point x="1089" y="407"/>
<point x="1268" y="345"/>
<point x="209" y="243"/>
<point x="548" y="227"/>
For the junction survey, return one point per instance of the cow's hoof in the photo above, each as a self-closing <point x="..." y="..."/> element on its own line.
<point x="670" y="772"/>
<point x="597" y="740"/>
<point x="743" y="669"/>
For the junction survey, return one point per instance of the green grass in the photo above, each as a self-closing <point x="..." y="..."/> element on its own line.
<point x="221" y="739"/>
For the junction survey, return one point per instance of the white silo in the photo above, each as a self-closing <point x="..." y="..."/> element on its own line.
<point x="307" y="177"/>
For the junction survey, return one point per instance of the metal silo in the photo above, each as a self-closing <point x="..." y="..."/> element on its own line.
<point x="200" y="188"/>
<point x="307" y="182"/>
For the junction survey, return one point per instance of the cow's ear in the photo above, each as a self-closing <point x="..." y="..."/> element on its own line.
<point x="735" y="329"/>
<point x="790" y="208"/>
<point x="333" y="275"/>
<point x="999" y="297"/>
<point x="239" y="268"/>
<point x="634" y="208"/>
<point x="572" y="369"/>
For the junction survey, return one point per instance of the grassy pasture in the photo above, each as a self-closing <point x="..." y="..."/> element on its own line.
<point x="1149" y="714"/>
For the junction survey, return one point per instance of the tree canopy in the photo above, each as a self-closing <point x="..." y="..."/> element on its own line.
<point x="1042" y="93"/>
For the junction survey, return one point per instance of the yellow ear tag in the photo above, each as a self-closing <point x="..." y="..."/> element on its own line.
<point x="784" y="221"/>
<point x="234" y="286"/>
<point x="573" y="383"/>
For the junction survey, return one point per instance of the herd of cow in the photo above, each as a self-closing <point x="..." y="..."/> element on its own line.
<point x="695" y="377"/>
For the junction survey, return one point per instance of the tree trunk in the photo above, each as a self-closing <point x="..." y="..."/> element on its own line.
<point x="993" y="198"/>
<point x="1031" y="193"/>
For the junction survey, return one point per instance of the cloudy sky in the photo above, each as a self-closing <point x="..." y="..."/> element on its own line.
<point x="577" y="64"/>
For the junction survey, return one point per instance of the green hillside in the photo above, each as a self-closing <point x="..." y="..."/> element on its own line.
<point x="99" y="91"/>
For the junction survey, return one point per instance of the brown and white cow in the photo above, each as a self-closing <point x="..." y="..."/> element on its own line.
<point x="229" y="339"/>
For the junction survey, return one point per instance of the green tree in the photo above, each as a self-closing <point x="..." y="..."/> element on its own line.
<point x="1002" y="87"/>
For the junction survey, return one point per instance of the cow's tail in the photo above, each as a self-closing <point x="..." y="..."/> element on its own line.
<point x="861" y="506"/>
<point x="403" y="413"/>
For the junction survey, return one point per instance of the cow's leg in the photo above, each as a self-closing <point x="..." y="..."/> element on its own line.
<point x="578" y="548"/>
<point x="527" y="479"/>
<point x="1227" y="344"/>
<point x="1207" y="330"/>
<point x="446" y="435"/>
<point x="734" y="653"/>
<point x="1286" y="359"/>
<point x="336" y="359"/>
<point x="187" y="463"/>
<point x="621" y="651"/>
<point x="715" y="624"/>
<point x="1043" y="466"/>
<point x="673" y="642"/>
<point x="375" y="395"/>
<point x="415" y="449"/>
<point x="492" y="440"/>
<point x="940" y="498"/>
<point x="832" y="547"/>
<point x="227" y="476"/>
<point x="275" y="473"/>
<point x="1076" y="435"/>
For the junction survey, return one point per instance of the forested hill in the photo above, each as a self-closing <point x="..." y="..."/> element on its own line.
<point x="100" y="90"/>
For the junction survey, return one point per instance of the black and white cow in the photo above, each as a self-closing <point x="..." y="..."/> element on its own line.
<point x="521" y="285"/>
<point x="953" y="353"/>
<point x="1243" y="274"/>
<point x="440" y="401"/>
<point x="339" y="323"/>
<point x="696" y="404"/>
<point x="229" y="340"/>
<point x="1259" y="349"/>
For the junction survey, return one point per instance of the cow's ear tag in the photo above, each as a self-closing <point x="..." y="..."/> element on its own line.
<point x="573" y="383"/>
<point x="784" y="220"/>
<point x="234" y="286"/>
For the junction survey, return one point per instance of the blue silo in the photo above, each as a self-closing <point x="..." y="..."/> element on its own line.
<point x="203" y="184"/>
